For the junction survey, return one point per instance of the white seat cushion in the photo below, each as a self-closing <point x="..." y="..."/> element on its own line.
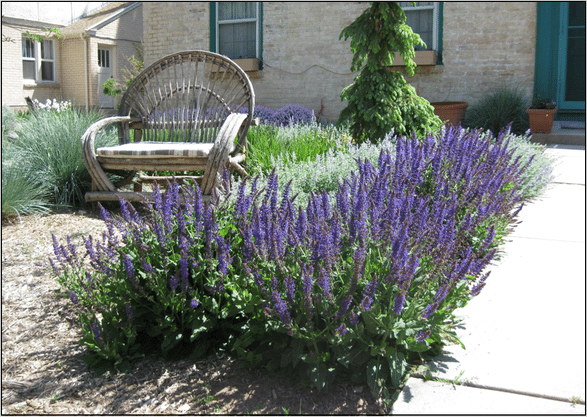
<point x="156" y="150"/>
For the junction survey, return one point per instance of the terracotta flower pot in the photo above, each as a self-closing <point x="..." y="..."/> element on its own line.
<point x="541" y="119"/>
<point x="450" y="111"/>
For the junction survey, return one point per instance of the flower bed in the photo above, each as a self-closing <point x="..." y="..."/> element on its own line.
<point x="363" y="282"/>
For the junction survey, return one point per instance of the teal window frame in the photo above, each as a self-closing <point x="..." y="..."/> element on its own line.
<point x="214" y="30"/>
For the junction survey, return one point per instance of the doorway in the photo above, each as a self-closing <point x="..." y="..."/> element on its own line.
<point x="105" y="72"/>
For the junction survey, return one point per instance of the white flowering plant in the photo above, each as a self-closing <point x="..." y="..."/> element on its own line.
<point x="53" y="105"/>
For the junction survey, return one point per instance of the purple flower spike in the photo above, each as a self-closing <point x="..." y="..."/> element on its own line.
<point x="422" y="336"/>
<point x="95" y="328"/>
<point x="281" y="308"/>
<point x="73" y="297"/>
<point x="399" y="304"/>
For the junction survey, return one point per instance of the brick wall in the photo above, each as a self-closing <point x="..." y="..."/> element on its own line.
<point x="485" y="45"/>
<point x="14" y="89"/>
<point x="175" y="26"/>
<point x="72" y="70"/>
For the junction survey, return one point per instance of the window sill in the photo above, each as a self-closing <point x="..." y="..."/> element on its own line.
<point x="422" y="58"/>
<point x="248" y="64"/>
<point x="47" y="84"/>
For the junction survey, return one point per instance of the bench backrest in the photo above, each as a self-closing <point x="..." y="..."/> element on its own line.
<point x="186" y="96"/>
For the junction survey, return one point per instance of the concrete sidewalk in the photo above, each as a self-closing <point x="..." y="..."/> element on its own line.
<point x="525" y="333"/>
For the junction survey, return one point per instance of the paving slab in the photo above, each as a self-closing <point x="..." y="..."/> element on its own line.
<point x="571" y="163"/>
<point x="432" y="397"/>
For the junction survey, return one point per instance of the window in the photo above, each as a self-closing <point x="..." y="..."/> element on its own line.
<point x="38" y="60"/>
<point x="237" y="29"/>
<point x="423" y="19"/>
<point x="104" y="58"/>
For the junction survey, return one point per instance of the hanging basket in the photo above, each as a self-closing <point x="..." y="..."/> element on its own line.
<point x="541" y="119"/>
<point x="451" y="112"/>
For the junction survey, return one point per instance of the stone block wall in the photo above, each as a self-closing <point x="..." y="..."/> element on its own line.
<point x="485" y="45"/>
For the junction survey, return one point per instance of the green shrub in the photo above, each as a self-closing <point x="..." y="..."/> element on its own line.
<point x="380" y="100"/>
<point x="497" y="109"/>
<point x="49" y="149"/>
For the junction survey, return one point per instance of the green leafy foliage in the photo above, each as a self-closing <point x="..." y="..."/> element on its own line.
<point x="380" y="100"/>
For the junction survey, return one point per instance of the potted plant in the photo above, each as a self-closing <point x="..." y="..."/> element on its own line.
<point x="541" y="114"/>
<point x="451" y="112"/>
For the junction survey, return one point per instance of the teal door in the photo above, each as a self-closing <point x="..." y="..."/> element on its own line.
<point x="560" y="57"/>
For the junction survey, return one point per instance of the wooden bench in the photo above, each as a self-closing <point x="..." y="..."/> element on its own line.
<point x="189" y="111"/>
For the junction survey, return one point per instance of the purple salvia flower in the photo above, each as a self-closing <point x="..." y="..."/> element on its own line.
<point x="422" y="336"/>
<point x="341" y="330"/>
<point x="124" y="209"/>
<point x="73" y="297"/>
<point x="57" y="249"/>
<point x="173" y="282"/>
<point x="194" y="303"/>
<point x="369" y="293"/>
<point x="344" y="306"/>
<point x="224" y="258"/>
<point x="399" y="304"/>
<point x="290" y="288"/>
<point x="324" y="282"/>
<point x="301" y="225"/>
<point x="429" y="310"/>
<point x="353" y="318"/>
<point x="281" y="308"/>
<point x="95" y="328"/>
<point x="241" y="201"/>
<point x="479" y="286"/>
<point x="129" y="269"/>
<point x="55" y="270"/>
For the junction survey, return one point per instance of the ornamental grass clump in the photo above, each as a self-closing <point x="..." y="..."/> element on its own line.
<point x="362" y="283"/>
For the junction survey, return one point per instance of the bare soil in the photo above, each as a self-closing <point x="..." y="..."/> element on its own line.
<point x="43" y="371"/>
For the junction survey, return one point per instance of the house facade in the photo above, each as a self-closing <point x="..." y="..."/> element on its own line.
<point x="293" y="54"/>
<point x="93" y="45"/>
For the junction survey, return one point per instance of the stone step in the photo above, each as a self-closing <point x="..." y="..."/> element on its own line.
<point x="562" y="133"/>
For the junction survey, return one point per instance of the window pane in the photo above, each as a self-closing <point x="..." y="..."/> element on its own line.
<point x="421" y="23"/>
<point x="28" y="70"/>
<point x="47" y="50"/>
<point x="28" y="48"/>
<point x="577" y="13"/>
<point x="47" y="71"/>
<point x="236" y="10"/>
<point x="238" y="40"/>
<point x="103" y="58"/>
<point x="575" y="82"/>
